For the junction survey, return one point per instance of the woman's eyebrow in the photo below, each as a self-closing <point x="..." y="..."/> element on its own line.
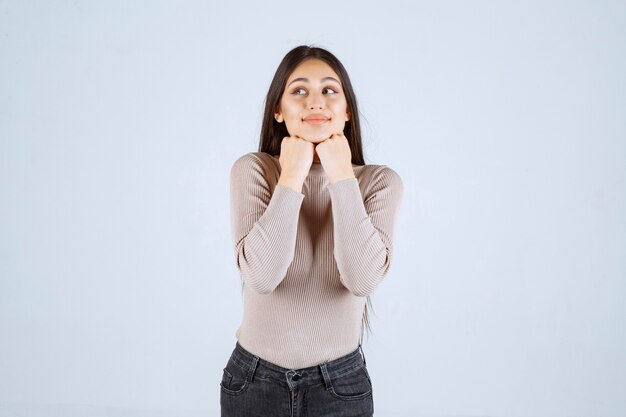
<point x="307" y="80"/>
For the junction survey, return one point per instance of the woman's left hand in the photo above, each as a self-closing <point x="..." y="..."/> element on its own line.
<point x="336" y="158"/>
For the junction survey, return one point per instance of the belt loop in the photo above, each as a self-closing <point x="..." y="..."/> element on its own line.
<point x="362" y="354"/>
<point x="253" y="367"/>
<point x="325" y="375"/>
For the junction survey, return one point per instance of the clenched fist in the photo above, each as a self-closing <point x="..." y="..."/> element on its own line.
<point x="336" y="157"/>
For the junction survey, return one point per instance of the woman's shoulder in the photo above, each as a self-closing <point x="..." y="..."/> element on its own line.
<point x="255" y="167"/>
<point x="378" y="170"/>
<point x="254" y="159"/>
<point x="380" y="176"/>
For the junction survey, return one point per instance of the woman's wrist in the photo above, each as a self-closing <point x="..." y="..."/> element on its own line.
<point x="343" y="176"/>
<point x="292" y="183"/>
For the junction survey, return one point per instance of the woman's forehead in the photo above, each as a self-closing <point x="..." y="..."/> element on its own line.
<point x="313" y="70"/>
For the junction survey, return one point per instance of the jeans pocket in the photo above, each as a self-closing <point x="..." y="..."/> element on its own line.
<point x="354" y="385"/>
<point x="235" y="378"/>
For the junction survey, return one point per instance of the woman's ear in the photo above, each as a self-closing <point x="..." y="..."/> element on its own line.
<point x="347" y="116"/>
<point x="278" y="116"/>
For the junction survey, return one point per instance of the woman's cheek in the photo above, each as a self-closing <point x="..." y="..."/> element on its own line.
<point x="294" y="128"/>
<point x="338" y="126"/>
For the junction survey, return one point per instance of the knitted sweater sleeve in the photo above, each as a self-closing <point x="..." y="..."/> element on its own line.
<point x="263" y="224"/>
<point x="363" y="229"/>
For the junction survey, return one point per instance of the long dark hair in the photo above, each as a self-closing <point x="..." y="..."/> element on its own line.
<point x="272" y="132"/>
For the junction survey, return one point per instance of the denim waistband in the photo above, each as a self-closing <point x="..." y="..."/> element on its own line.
<point x="312" y="375"/>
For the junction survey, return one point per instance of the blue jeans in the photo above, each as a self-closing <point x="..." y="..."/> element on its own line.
<point x="254" y="387"/>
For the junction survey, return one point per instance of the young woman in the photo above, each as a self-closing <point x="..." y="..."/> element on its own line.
<point x="312" y="229"/>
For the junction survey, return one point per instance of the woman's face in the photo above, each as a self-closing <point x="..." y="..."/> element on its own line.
<point x="313" y="105"/>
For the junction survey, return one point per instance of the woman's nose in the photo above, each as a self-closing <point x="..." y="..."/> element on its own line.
<point x="315" y="101"/>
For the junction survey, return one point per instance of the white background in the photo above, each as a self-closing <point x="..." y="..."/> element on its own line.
<point x="119" y="122"/>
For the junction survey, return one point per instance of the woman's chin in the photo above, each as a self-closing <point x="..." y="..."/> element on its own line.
<point x="316" y="137"/>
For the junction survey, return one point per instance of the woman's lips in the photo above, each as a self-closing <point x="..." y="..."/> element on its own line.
<point x="316" y="120"/>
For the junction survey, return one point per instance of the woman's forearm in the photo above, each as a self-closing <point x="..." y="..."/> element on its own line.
<point x="363" y="231"/>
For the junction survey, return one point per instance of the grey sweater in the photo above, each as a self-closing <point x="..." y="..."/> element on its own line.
<point x="308" y="260"/>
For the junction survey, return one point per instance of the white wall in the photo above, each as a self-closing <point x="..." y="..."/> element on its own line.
<point x="119" y="122"/>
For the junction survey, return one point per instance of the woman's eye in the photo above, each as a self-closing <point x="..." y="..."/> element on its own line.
<point x="298" y="90"/>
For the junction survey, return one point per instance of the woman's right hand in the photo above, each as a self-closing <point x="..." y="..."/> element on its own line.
<point x="296" y="157"/>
